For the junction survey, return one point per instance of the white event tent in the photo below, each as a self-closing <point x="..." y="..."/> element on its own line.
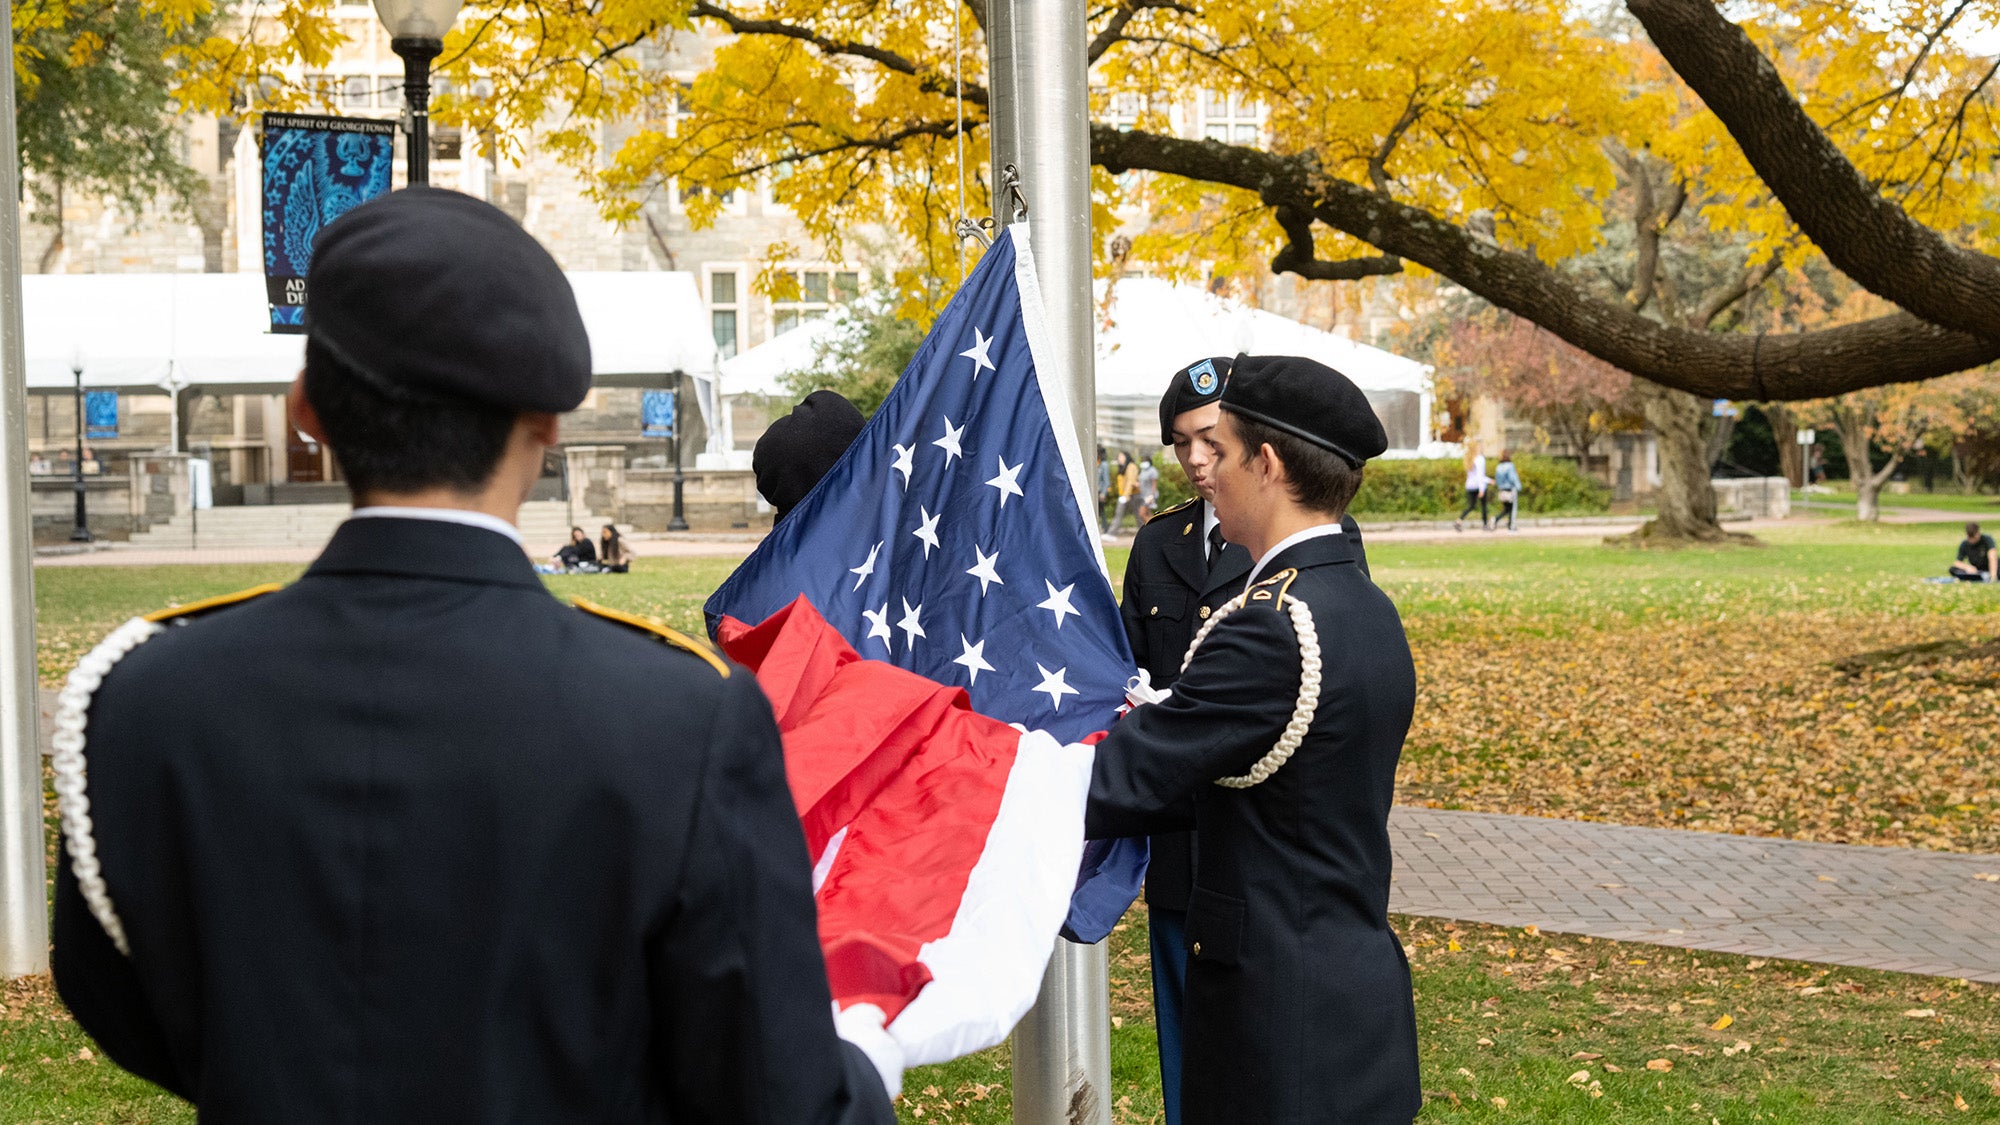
<point x="1150" y="330"/>
<point x="210" y="333"/>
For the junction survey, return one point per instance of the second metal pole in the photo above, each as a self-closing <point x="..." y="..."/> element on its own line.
<point x="1040" y="112"/>
<point x="24" y="903"/>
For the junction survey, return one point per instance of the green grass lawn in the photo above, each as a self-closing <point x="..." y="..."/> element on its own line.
<point x="1513" y="1025"/>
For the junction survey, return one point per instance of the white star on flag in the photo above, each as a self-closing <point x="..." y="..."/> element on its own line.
<point x="977" y="353"/>
<point x="974" y="658"/>
<point x="949" y="442"/>
<point x="1052" y="682"/>
<point x="1008" y="482"/>
<point x="1058" y="603"/>
<point x="905" y="461"/>
<point x="878" y="625"/>
<point x="909" y="624"/>
<point x="983" y="569"/>
<point x="867" y="568"/>
<point x="927" y="531"/>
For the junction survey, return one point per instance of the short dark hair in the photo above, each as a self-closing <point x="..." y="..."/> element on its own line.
<point x="395" y="441"/>
<point x="1321" y="479"/>
<point x="1971" y="528"/>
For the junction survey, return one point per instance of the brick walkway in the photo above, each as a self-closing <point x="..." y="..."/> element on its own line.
<point x="1881" y="908"/>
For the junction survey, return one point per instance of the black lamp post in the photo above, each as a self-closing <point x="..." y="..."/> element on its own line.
<point x="678" y="522"/>
<point x="416" y="33"/>
<point x="81" y="532"/>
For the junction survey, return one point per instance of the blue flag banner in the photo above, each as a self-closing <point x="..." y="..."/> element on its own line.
<point x="100" y="415"/>
<point x="954" y="539"/>
<point x="656" y="414"/>
<point x="316" y="169"/>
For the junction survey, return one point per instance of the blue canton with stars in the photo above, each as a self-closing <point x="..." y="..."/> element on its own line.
<point x="950" y="539"/>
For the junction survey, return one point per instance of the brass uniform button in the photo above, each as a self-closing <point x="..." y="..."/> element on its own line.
<point x="1156" y="611"/>
<point x="1204" y="613"/>
<point x="1197" y="949"/>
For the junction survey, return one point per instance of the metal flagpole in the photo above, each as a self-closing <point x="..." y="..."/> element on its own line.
<point x="24" y="909"/>
<point x="1040" y="113"/>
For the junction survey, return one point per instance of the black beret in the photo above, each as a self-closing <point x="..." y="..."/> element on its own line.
<point x="1307" y="399"/>
<point x="433" y="294"/>
<point x="1197" y="384"/>
<point x="802" y="447"/>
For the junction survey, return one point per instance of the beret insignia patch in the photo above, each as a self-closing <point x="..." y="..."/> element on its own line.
<point x="1204" y="377"/>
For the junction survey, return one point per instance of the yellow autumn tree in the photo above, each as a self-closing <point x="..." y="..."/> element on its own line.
<point x="1480" y="139"/>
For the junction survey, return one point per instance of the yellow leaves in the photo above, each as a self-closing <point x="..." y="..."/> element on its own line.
<point x="1661" y="1065"/>
<point x="1711" y="726"/>
<point x="1722" y="1023"/>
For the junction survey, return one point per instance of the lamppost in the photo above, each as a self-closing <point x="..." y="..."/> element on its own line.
<point x="81" y="532"/>
<point x="416" y="32"/>
<point x="678" y="522"/>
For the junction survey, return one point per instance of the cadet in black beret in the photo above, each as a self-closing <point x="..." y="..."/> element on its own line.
<point x="803" y="446"/>
<point x="1298" y="1004"/>
<point x="410" y="839"/>
<point x="1191" y="388"/>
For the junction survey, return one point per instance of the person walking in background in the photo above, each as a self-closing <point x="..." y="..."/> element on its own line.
<point x="1149" y="490"/>
<point x="1507" y="483"/>
<point x="1475" y="488"/>
<point x="1126" y="485"/>
<point x="1103" y="485"/>
<point x="611" y="553"/>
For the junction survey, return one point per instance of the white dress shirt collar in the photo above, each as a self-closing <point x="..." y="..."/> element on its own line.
<point x="1208" y="522"/>
<point x="443" y="515"/>
<point x="1296" y="537"/>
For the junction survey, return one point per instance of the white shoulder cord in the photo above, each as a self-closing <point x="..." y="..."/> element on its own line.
<point x="1309" y="678"/>
<point x="72" y="712"/>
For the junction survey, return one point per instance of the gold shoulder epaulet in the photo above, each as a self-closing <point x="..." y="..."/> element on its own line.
<point x="1170" y="511"/>
<point x="666" y="633"/>
<point x="197" y="608"/>
<point x="1274" y="587"/>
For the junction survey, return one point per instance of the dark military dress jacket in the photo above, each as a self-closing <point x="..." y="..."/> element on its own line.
<point x="1298" y="1004"/>
<point x="1171" y="588"/>
<point x="412" y="841"/>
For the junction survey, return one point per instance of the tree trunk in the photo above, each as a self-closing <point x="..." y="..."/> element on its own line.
<point x="1686" y="498"/>
<point x="1867" y="480"/>
<point x="1785" y="432"/>
<point x="55" y="247"/>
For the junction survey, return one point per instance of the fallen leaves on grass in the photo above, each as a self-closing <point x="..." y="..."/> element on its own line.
<point x="1734" y="726"/>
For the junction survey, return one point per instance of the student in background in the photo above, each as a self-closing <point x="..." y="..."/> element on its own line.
<point x="1507" y="483"/>
<point x="611" y="553"/>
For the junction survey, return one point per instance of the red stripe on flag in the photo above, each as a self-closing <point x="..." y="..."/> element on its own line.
<point x="905" y="765"/>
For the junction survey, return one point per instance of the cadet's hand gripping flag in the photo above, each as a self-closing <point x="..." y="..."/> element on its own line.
<point x="955" y="539"/>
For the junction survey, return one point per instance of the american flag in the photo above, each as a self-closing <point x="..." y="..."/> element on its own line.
<point x="956" y="539"/>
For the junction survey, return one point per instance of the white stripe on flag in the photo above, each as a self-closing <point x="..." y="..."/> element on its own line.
<point x="986" y="972"/>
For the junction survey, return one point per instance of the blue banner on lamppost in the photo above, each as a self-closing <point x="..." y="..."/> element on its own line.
<point x="656" y="414"/>
<point x="100" y="415"/>
<point x="316" y="169"/>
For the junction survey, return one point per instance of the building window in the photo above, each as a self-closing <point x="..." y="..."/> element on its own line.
<point x="818" y="291"/>
<point x="1227" y="118"/>
<point x="357" y="91"/>
<point x="725" y="312"/>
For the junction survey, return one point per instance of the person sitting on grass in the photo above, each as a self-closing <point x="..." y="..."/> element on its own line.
<point x="578" y="554"/>
<point x="1977" y="560"/>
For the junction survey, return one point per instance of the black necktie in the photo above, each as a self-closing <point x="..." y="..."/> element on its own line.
<point x="1214" y="545"/>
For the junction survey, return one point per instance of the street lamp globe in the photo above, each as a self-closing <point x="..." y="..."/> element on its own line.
<point x="416" y="32"/>
<point x="417" y="19"/>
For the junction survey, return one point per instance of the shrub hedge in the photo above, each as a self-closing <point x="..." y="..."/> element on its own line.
<point x="1437" y="488"/>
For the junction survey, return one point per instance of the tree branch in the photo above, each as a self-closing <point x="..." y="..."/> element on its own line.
<point x="1378" y="164"/>
<point x="1297" y="255"/>
<point x="888" y="60"/>
<point x="1865" y="236"/>
<point x="1719" y="301"/>
<point x="1114" y="31"/>
<point x="1816" y="364"/>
